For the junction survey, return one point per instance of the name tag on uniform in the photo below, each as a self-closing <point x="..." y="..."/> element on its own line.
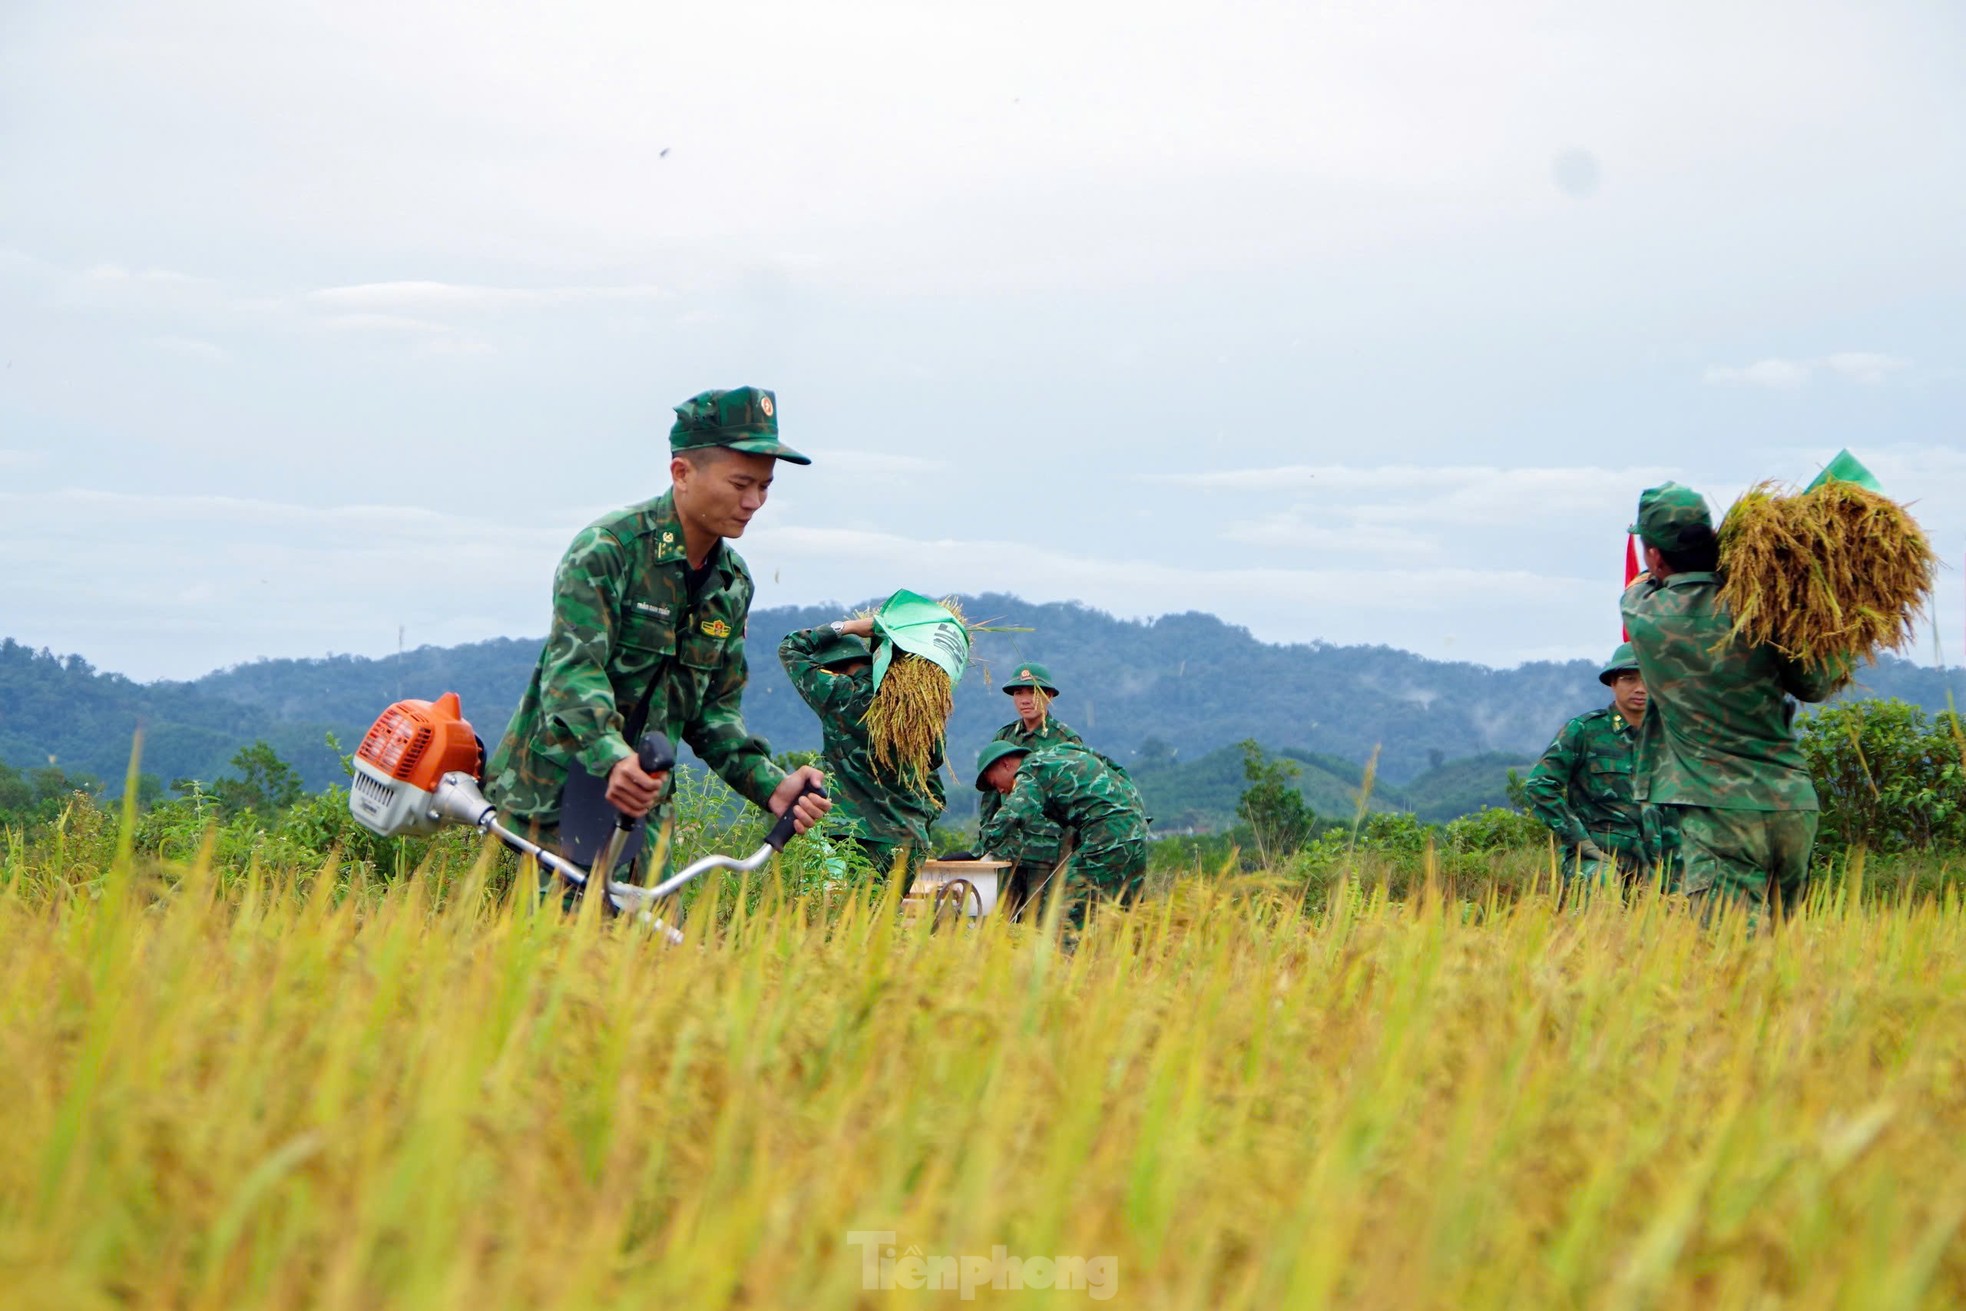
<point x="648" y="609"/>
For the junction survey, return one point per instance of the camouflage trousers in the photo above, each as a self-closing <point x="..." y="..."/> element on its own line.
<point x="1115" y="875"/>
<point x="1759" y="858"/>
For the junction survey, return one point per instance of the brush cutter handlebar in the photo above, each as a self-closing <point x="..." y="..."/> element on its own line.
<point x="457" y="800"/>
<point x="775" y="841"/>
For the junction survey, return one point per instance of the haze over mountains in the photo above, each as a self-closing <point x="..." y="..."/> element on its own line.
<point x="1154" y="694"/>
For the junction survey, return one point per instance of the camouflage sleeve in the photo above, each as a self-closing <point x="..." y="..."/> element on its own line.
<point x="573" y="683"/>
<point x="1004" y="834"/>
<point x="1813" y="682"/>
<point x="825" y="692"/>
<point x="721" y="741"/>
<point x="1548" y="788"/>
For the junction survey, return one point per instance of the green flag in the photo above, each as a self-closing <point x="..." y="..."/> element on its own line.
<point x="1846" y="468"/>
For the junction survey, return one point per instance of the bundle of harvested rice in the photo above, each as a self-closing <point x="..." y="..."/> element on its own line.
<point x="908" y="721"/>
<point x="1837" y="572"/>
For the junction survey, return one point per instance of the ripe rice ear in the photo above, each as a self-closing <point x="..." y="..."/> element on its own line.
<point x="908" y="721"/>
<point x="1838" y="573"/>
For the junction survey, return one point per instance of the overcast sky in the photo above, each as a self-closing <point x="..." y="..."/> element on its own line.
<point x="1353" y="322"/>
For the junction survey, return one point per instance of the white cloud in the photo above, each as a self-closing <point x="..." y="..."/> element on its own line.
<point x="879" y="464"/>
<point x="1395" y="498"/>
<point x="1787" y="375"/>
<point x="193" y="348"/>
<point x="10" y="459"/>
<point x="1777" y="375"/>
<point x="221" y="578"/>
<point x="388" y="296"/>
<point x="1865" y="366"/>
<point x="382" y="323"/>
<point x="1300" y="531"/>
<point x="456" y="346"/>
<point x="117" y="275"/>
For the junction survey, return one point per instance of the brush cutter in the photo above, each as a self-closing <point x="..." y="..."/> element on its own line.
<point x="418" y="770"/>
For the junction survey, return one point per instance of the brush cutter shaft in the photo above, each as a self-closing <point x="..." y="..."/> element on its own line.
<point x="457" y="800"/>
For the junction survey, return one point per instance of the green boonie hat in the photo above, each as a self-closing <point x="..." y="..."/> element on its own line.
<point x="1670" y="517"/>
<point x="1623" y="660"/>
<point x="741" y="419"/>
<point x="991" y="754"/>
<point x="839" y="649"/>
<point x="1031" y="674"/>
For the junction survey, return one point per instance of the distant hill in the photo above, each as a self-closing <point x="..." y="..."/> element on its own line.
<point x="1164" y="696"/>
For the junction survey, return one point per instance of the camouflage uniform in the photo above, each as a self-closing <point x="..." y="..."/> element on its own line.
<point x="625" y="627"/>
<point x="880" y="812"/>
<point x="1582" y="790"/>
<point x="1039" y="849"/>
<point x="1718" y="744"/>
<point x="1097" y="807"/>
<point x="1038" y="845"/>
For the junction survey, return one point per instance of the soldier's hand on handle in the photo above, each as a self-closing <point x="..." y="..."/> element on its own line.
<point x="630" y="790"/>
<point x="1588" y="850"/>
<point x="811" y="807"/>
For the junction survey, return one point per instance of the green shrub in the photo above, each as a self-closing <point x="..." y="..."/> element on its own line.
<point x="1889" y="777"/>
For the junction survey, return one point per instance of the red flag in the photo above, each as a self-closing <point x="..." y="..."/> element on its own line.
<point x="1631" y="571"/>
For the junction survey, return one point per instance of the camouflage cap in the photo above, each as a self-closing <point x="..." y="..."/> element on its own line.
<point x="1032" y="674"/>
<point x="1623" y="661"/>
<point x="991" y="754"/>
<point x="741" y="419"/>
<point x="840" y="649"/>
<point x="1670" y="517"/>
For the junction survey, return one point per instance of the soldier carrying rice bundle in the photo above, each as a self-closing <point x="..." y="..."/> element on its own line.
<point x="1726" y="628"/>
<point x="884" y="714"/>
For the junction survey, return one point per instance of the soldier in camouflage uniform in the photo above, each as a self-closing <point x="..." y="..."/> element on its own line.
<point x="1718" y="744"/>
<point x="1096" y="805"/>
<point x="1031" y="691"/>
<point x="649" y="609"/>
<point x="832" y="669"/>
<point x="1582" y="787"/>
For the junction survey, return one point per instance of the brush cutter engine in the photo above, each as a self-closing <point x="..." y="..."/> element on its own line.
<point x="412" y="766"/>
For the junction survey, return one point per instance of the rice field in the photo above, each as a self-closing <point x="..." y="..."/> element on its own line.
<point x="285" y="1088"/>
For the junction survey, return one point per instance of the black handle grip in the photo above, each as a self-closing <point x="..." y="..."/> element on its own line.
<point x="655" y="755"/>
<point x="781" y="832"/>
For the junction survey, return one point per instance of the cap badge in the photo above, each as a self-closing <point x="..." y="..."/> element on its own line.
<point x="1023" y="673"/>
<point x="764" y="403"/>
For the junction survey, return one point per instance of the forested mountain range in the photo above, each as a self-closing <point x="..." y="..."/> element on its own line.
<point x="1161" y="695"/>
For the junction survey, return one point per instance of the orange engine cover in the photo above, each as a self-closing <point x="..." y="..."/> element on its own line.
<point x="419" y="742"/>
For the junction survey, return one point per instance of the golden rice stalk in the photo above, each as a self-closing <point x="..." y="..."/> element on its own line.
<point x="1837" y="573"/>
<point x="908" y="720"/>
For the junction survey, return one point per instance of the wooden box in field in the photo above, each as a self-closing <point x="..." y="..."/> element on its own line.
<point x="981" y="884"/>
